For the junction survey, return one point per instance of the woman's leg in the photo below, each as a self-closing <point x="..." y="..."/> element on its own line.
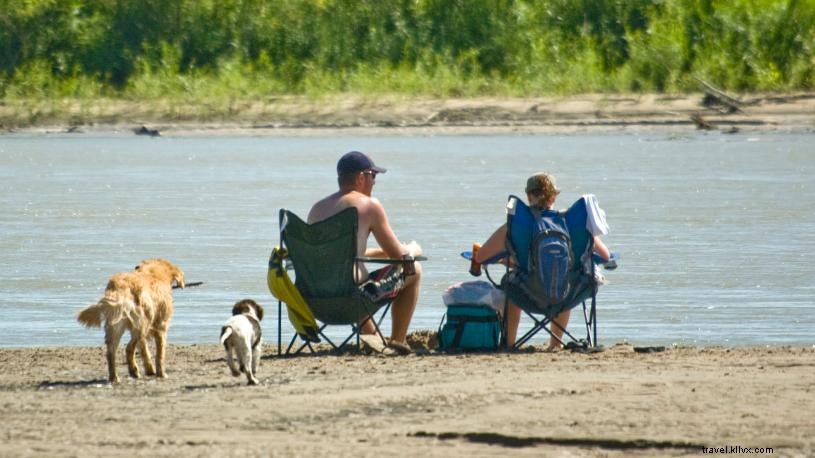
<point x="513" y="317"/>
<point x="557" y="327"/>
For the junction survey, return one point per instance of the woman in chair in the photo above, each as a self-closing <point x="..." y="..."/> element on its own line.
<point x="541" y="193"/>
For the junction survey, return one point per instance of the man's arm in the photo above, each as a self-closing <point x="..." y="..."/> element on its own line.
<point x="381" y="229"/>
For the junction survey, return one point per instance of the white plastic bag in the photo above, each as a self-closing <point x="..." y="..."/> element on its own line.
<point x="476" y="292"/>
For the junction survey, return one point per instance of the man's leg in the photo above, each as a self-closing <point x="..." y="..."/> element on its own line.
<point x="404" y="304"/>
<point x="368" y="326"/>
<point x="390" y="284"/>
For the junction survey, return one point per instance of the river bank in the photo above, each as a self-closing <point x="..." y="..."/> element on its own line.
<point x="293" y="115"/>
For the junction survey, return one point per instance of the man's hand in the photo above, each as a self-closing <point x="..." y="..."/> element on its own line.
<point x="413" y="248"/>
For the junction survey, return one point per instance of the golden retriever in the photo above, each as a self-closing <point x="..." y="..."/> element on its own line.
<point x="142" y="303"/>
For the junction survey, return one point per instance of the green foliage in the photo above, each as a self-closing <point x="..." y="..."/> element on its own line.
<point x="223" y="50"/>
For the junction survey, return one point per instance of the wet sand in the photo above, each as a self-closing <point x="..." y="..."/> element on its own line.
<point x="56" y="402"/>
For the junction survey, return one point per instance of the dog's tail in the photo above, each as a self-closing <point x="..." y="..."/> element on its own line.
<point x="91" y="316"/>
<point x="112" y="308"/>
<point x="226" y="331"/>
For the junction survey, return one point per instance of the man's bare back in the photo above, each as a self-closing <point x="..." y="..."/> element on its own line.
<point x="369" y="212"/>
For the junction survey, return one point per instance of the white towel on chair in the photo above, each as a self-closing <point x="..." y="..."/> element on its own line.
<point x="596" y="218"/>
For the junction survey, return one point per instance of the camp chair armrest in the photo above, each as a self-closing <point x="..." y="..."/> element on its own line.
<point x="386" y="260"/>
<point x="500" y="258"/>
<point x="407" y="262"/>
<point x="611" y="264"/>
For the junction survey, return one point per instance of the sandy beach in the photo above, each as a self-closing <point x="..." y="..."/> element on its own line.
<point x="398" y="115"/>
<point x="677" y="402"/>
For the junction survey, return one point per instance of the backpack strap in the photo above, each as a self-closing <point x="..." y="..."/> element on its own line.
<point x="456" y="343"/>
<point x="441" y="324"/>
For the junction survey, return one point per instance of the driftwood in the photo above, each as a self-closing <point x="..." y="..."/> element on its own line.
<point x="143" y="130"/>
<point x="715" y="97"/>
<point x="700" y="122"/>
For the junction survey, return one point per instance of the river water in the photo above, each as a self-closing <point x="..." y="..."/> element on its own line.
<point x="714" y="231"/>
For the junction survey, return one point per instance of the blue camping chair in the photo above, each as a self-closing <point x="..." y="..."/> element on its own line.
<point x="583" y="285"/>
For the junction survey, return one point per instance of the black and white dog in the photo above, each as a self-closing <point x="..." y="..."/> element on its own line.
<point x="241" y="337"/>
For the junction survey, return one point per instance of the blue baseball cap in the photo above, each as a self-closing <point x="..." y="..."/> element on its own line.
<point x="356" y="162"/>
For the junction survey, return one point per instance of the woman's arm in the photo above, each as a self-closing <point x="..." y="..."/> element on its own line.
<point x="601" y="249"/>
<point x="494" y="245"/>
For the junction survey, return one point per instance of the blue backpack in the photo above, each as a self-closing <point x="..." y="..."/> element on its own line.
<point x="550" y="259"/>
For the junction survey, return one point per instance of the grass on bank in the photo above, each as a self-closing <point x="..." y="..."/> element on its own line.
<point x="34" y="96"/>
<point x="209" y="60"/>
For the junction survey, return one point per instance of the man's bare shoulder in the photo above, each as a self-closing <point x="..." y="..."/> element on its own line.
<point x="370" y="206"/>
<point x="335" y="203"/>
<point x="324" y="208"/>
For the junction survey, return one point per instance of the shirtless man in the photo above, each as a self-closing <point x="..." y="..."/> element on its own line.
<point x="356" y="175"/>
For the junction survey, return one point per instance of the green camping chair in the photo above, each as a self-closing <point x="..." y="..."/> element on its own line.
<point x="323" y="255"/>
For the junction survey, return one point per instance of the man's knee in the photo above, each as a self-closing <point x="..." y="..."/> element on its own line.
<point x="414" y="279"/>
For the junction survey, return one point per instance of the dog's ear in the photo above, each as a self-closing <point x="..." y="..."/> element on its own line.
<point x="140" y="267"/>
<point x="248" y="306"/>
<point x="146" y="264"/>
<point x="242" y="306"/>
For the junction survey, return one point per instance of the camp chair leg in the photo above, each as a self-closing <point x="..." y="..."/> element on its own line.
<point x="354" y="333"/>
<point x="541" y="325"/>
<point x="590" y="317"/>
<point x="565" y="332"/>
<point x="587" y="320"/>
<point x="594" y="319"/>
<point x="279" y="327"/>
<point x="382" y="316"/>
<point x="305" y="343"/>
<point x="520" y="342"/>
<point x="330" y="342"/>
<point x="302" y="346"/>
<point x="338" y="349"/>
<point x="291" y="344"/>
<point x="376" y="322"/>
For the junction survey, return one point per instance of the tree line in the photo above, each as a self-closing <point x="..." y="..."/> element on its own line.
<point x="151" y="48"/>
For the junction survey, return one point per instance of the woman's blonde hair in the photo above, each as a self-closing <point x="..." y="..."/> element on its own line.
<point x="543" y="186"/>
